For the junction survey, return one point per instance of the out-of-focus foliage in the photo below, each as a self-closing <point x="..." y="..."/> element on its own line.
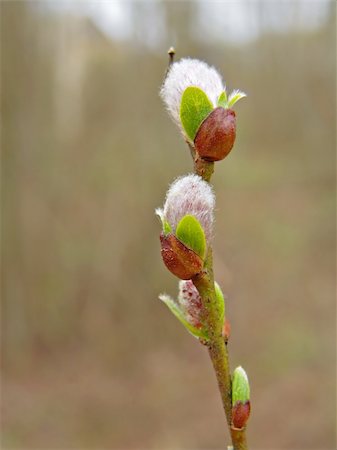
<point x="88" y="351"/>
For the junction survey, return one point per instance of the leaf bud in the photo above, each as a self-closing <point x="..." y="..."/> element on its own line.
<point x="183" y="262"/>
<point x="188" y="309"/>
<point x="216" y="135"/>
<point x="190" y="302"/>
<point x="187" y="220"/>
<point x="193" y="92"/>
<point x="240" y="398"/>
<point x="226" y="331"/>
<point x="188" y="73"/>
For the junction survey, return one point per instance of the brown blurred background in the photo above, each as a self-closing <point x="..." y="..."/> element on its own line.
<point x="90" y="358"/>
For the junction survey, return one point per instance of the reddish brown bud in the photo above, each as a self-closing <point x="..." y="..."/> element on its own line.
<point x="180" y="260"/>
<point x="240" y="414"/>
<point x="226" y="331"/>
<point x="216" y="135"/>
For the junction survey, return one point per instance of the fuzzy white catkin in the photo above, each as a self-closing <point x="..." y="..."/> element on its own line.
<point x="190" y="301"/>
<point x="189" y="72"/>
<point x="190" y="194"/>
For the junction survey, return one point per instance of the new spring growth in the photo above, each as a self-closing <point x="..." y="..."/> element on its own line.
<point x="240" y="398"/>
<point x="196" y="99"/>
<point x="187" y="220"/>
<point x="188" y="308"/>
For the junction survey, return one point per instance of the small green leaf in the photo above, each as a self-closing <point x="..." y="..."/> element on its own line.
<point x="240" y="386"/>
<point x="235" y="97"/>
<point x="195" y="106"/>
<point x="166" y="226"/>
<point x="221" y="302"/>
<point x="190" y="232"/>
<point x="174" y="308"/>
<point x="222" y="100"/>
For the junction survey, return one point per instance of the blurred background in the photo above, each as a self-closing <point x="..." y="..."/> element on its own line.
<point x="90" y="357"/>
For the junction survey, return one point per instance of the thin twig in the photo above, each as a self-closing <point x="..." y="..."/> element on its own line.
<point x="171" y="52"/>
<point x="217" y="349"/>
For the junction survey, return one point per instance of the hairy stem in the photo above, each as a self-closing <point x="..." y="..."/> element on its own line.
<point x="204" y="282"/>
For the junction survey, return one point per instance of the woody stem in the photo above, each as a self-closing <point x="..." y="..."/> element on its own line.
<point x="204" y="282"/>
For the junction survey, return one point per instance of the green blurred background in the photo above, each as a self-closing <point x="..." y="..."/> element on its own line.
<point x="90" y="357"/>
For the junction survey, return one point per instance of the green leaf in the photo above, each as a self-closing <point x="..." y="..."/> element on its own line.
<point x="240" y="386"/>
<point x="221" y="302"/>
<point x="195" y="106"/>
<point x="222" y="100"/>
<point x="235" y="97"/>
<point x="174" y="308"/>
<point x="190" y="232"/>
<point x="166" y="226"/>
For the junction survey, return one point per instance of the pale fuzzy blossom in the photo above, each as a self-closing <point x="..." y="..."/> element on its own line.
<point x="190" y="302"/>
<point x="189" y="72"/>
<point x="191" y="195"/>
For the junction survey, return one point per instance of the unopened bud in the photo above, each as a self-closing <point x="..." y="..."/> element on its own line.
<point x="226" y="331"/>
<point x="240" y="414"/>
<point x="189" y="73"/>
<point x="190" y="302"/>
<point x="216" y="135"/>
<point x="240" y="398"/>
<point x="183" y="262"/>
<point x="193" y="93"/>
<point x="190" y="195"/>
<point x="187" y="309"/>
<point x="187" y="219"/>
<point x="220" y="300"/>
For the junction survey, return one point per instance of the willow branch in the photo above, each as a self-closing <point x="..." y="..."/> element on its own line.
<point x="204" y="282"/>
<point x="239" y="438"/>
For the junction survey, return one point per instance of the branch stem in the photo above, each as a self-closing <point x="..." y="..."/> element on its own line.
<point x="201" y="167"/>
<point x="204" y="282"/>
<point x="239" y="438"/>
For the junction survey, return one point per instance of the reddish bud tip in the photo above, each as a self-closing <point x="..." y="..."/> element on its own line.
<point x="240" y="414"/>
<point x="180" y="260"/>
<point x="216" y="135"/>
<point x="226" y="331"/>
